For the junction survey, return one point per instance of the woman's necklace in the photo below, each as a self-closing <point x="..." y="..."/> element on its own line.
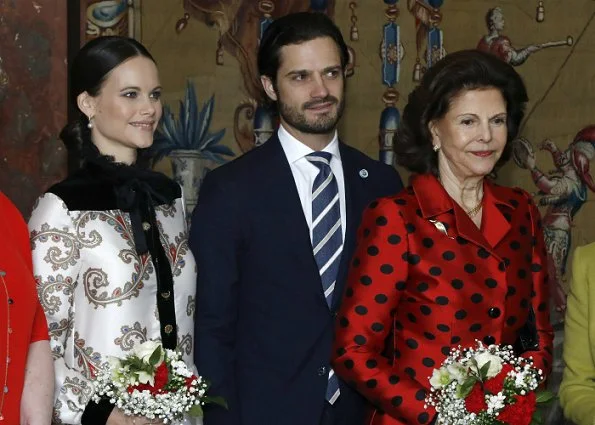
<point x="7" y="354"/>
<point x="473" y="211"/>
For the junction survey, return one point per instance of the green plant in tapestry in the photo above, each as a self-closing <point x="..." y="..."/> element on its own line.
<point x="190" y="131"/>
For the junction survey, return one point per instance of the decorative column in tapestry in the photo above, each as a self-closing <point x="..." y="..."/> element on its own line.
<point x="391" y="54"/>
<point x="240" y="24"/>
<point x="427" y="18"/>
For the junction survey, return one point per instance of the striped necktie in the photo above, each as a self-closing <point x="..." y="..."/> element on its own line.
<point x="327" y="237"/>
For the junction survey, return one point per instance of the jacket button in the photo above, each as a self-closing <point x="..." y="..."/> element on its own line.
<point x="146" y="226"/>
<point x="489" y="340"/>
<point x="168" y="329"/>
<point x="322" y="371"/>
<point x="165" y="295"/>
<point x="494" y="312"/>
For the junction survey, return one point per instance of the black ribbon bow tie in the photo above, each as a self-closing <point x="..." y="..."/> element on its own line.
<point x="139" y="199"/>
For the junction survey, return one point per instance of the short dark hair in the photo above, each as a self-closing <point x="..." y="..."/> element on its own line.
<point x="89" y="69"/>
<point x="296" y="28"/>
<point x="456" y="72"/>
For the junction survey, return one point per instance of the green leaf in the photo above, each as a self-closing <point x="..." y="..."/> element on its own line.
<point x="196" y="411"/>
<point x="543" y="397"/>
<point x="155" y="357"/>
<point x="537" y="417"/>
<point x="216" y="400"/>
<point x="483" y="372"/>
<point x="466" y="387"/>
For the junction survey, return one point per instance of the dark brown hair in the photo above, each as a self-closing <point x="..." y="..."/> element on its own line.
<point x="457" y="72"/>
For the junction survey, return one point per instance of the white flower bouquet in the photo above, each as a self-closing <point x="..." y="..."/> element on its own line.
<point x="487" y="385"/>
<point x="153" y="382"/>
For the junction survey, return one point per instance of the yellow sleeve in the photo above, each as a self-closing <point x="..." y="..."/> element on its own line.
<point x="577" y="391"/>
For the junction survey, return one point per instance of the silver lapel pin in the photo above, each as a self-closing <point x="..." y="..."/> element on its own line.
<point x="363" y="173"/>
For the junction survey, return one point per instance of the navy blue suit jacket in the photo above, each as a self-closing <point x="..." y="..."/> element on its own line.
<point x="263" y="328"/>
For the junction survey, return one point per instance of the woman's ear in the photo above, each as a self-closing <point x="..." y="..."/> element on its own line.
<point x="87" y="104"/>
<point x="435" y="134"/>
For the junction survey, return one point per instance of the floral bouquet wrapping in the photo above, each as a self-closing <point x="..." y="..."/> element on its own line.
<point x="153" y="382"/>
<point x="487" y="385"/>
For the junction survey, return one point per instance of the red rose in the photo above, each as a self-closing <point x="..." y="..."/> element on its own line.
<point x="520" y="412"/>
<point x="495" y="384"/>
<point x="161" y="376"/>
<point x="475" y="401"/>
<point x="142" y="387"/>
<point x="189" y="380"/>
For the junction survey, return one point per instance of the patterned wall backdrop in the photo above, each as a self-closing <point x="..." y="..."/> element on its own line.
<point x="210" y="46"/>
<point x="32" y="97"/>
<point x="205" y="51"/>
<point x="112" y="17"/>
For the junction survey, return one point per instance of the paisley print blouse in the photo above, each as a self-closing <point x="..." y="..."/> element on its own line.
<point x="99" y="295"/>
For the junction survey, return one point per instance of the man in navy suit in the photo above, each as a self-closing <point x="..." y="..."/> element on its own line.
<point x="270" y="274"/>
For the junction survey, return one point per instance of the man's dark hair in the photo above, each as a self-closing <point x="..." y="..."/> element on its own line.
<point x="296" y="28"/>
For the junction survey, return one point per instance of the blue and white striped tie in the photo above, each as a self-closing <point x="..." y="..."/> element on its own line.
<point x="327" y="238"/>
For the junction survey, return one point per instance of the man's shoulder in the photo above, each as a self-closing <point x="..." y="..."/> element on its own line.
<point x="247" y="164"/>
<point x="361" y="160"/>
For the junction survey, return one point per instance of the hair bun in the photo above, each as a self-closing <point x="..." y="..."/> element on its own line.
<point x="74" y="135"/>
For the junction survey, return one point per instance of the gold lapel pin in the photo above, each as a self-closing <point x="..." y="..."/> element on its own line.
<point x="441" y="228"/>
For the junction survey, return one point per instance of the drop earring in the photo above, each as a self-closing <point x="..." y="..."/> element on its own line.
<point x="90" y="123"/>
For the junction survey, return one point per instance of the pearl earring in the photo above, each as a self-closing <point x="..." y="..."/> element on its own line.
<point x="90" y="123"/>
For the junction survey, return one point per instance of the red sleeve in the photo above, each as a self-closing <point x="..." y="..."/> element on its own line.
<point x="376" y="279"/>
<point x="39" y="331"/>
<point x="541" y="299"/>
<point x="16" y="226"/>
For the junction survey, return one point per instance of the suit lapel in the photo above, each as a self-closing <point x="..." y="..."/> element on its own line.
<point x="353" y="202"/>
<point x="286" y="206"/>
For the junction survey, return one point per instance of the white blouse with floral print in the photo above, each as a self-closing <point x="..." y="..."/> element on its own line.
<point x="99" y="295"/>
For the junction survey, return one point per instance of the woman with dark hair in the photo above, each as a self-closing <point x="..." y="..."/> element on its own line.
<point x="453" y="258"/>
<point x="26" y="373"/>
<point x="110" y="241"/>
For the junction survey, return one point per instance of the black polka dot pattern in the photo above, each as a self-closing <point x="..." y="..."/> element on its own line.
<point x="427" y="292"/>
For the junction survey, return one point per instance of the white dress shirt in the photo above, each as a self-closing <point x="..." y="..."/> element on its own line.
<point x="304" y="172"/>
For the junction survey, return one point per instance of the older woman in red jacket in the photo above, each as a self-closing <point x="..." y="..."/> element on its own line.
<point x="26" y="366"/>
<point x="452" y="259"/>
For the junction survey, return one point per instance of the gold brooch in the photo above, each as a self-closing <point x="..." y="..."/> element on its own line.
<point x="441" y="228"/>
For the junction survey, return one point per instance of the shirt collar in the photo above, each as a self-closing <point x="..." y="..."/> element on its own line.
<point x="295" y="150"/>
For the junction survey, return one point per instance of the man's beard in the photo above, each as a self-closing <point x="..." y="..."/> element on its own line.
<point x="325" y="123"/>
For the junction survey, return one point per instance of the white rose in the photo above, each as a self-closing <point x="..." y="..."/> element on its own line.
<point x="145" y="350"/>
<point x="114" y="362"/>
<point x="458" y="372"/>
<point x="495" y="363"/>
<point x="440" y="378"/>
<point x="145" y="378"/>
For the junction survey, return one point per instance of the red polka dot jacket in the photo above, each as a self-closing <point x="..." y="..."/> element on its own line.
<point x="424" y="278"/>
